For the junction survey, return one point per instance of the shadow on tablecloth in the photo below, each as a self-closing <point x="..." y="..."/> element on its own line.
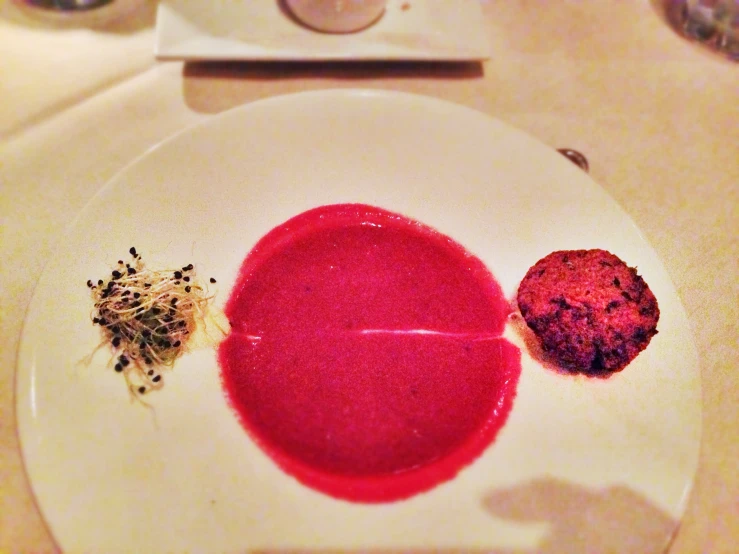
<point x="213" y="87"/>
<point x="613" y="520"/>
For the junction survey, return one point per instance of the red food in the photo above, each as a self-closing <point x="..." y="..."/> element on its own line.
<point x="590" y="310"/>
<point x="365" y="354"/>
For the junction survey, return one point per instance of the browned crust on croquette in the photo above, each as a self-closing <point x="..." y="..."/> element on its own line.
<point x="591" y="311"/>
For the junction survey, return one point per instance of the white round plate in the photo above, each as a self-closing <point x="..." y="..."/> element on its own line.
<point x="582" y="465"/>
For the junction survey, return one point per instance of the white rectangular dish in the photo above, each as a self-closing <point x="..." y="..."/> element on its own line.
<point x="265" y="30"/>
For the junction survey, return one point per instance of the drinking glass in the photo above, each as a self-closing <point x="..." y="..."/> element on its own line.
<point x="712" y="23"/>
<point x="67" y="5"/>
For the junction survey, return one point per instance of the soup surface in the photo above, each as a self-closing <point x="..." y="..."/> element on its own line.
<point x="365" y="355"/>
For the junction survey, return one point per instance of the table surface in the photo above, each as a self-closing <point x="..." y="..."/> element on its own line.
<point x="657" y="117"/>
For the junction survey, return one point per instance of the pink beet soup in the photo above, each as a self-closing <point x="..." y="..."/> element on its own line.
<point x="365" y="355"/>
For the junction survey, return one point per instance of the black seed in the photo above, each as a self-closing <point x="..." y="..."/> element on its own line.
<point x="166" y="344"/>
<point x="626" y="295"/>
<point x="132" y="251"/>
<point x="118" y="367"/>
<point x="176" y="282"/>
<point x="147" y="361"/>
<point x="131" y="271"/>
<point x="116" y="341"/>
<point x="186" y="279"/>
<point x="116" y="274"/>
<point x="124" y="361"/>
<point x="146" y="333"/>
<point x="89" y="283"/>
<point x="176" y="344"/>
<point x="137" y="295"/>
<point x="616" y="282"/>
<point x="157" y="378"/>
<point x="212" y="280"/>
<point x="178" y="275"/>
<point x="142" y="390"/>
<point x="126" y="293"/>
<point x="173" y="301"/>
<point x="100" y="281"/>
<point x="120" y="262"/>
<point x="142" y="345"/>
<point x="150" y="372"/>
<point x="147" y="285"/>
<point x="95" y="320"/>
<point x="188" y="288"/>
<point x="103" y="321"/>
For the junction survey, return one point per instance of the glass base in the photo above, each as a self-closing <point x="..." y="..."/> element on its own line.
<point x="713" y="24"/>
<point x="67" y="5"/>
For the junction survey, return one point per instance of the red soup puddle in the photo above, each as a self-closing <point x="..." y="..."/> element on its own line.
<point x="365" y="356"/>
